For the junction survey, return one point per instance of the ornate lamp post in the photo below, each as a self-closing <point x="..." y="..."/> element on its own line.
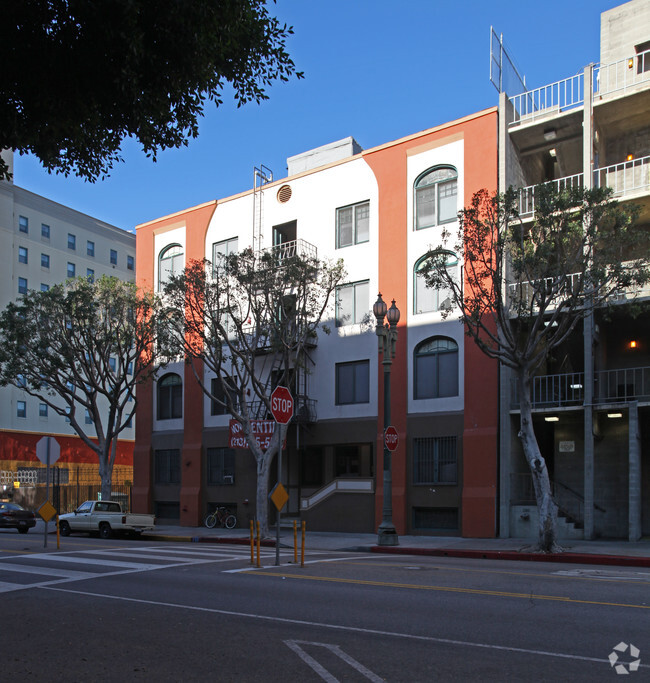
<point x="387" y="334"/>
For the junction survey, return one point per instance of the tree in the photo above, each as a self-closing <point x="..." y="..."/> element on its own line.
<point x="248" y="321"/>
<point x="78" y="77"/>
<point x="527" y="283"/>
<point x="81" y="348"/>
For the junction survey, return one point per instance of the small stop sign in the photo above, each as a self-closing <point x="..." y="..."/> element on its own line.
<point x="282" y="405"/>
<point x="391" y="438"/>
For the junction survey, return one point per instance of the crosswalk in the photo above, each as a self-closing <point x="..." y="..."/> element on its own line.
<point x="34" y="570"/>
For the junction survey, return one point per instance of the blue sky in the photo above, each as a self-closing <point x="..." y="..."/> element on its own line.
<point x="374" y="69"/>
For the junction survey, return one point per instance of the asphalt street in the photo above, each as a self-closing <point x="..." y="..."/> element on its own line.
<point x="143" y="610"/>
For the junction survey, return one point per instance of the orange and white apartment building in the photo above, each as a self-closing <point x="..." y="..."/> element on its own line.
<point x="380" y="210"/>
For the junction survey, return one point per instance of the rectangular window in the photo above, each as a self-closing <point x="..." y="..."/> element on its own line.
<point x="113" y="257"/>
<point x="312" y="467"/>
<point x="435" y="519"/>
<point x="90" y="274"/>
<point x="87" y="419"/>
<point x="434" y="460"/>
<point x="90" y="248"/>
<point x="22" y="254"/>
<point x="22" y="285"/>
<point x="353" y="382"/>
<point x="112" y="364"/>
<point x="352" y="303"/>
<point x="23" y="224"/>
<point x="45" y="231"/>
<point x="221" y="466"/>
<point x="347" y="461"/>
<point x="44" y="287"/>
<point x="217" y="390"/>
<point x="45" y="260"/>
<point x="71" y="269"/>
<point x="21" y="409"/>
<point x="167" y="466"/>
<point x="72" y="241"/>
<point x="352" y="224"/>
<point x="130" y="263"/>
<point x="221" y="250"/>
<point x="42" y="409"/>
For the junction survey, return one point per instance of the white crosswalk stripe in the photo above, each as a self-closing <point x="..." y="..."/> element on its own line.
<point x="67" y="566"/>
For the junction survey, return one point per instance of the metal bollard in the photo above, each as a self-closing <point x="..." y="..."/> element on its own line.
<point x="295" y="542"/>
<point x="252" y="543"/>
<point x="258" y="544"/>
<point x="302" y="547"/>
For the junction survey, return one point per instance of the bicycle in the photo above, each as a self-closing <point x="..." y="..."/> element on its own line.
<point x="223" y="517"/>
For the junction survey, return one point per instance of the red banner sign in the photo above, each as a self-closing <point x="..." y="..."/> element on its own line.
<point x="262" y="429"/>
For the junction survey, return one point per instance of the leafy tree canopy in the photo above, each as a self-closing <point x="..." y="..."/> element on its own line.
<point x="78" y="76"/>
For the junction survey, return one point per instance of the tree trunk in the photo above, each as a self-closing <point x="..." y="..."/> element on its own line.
<point x="262" y="494"/>
<point x="105" y="473"/>
<point x="546" y="507"/>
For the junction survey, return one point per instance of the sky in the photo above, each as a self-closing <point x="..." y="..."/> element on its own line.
<point x="376" y="70"/>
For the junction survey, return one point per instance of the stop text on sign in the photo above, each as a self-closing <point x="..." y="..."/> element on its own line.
<point x="391" y="438"/>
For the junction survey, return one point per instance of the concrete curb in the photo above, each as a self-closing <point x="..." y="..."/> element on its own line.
<point x="563" y="558"/>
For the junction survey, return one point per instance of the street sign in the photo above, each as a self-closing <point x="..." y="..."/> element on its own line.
<point x="47" y="511"/>
<point x="281" y="405"/>
<point x="391" y="438"/>
<point x="42" y="450"/>
<point x="279" y="496"/>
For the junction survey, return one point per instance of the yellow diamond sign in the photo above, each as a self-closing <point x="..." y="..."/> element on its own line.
<point x="47" y="511"/>
<point x="279" y="496"/>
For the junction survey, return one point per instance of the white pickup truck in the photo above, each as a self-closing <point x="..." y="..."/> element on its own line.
<point x="105" y="518"/>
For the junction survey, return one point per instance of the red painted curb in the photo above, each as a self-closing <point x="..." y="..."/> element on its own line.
<point x="567" y="558"/>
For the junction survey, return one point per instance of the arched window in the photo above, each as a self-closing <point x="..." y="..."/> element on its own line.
<point x="170" y="397"/>
<point x="170" y="262"/>
<point x="435" y="368"/>
<point x="427" y="299"/>
<point x="435" y="197"/>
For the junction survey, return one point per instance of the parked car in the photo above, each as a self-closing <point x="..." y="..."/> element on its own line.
<point x="13" y="516"/>
<point x="105" y="518"/>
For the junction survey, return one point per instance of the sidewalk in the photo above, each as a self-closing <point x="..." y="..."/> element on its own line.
<point x="617" y="553"/>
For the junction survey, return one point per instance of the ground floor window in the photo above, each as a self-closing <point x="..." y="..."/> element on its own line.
<point x="435" y="519"/>
<point x="221" y="466"/>
<point x="435" y="460"/>
<point x="347" y="461"/>
<point x="167" y="466"/>
<point x="167" y="509"/>
<point x="311" y="472"/>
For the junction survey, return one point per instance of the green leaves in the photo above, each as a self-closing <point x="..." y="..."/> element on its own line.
<point x="78" y="77"/>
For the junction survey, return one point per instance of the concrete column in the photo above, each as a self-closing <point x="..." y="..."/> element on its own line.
<point x="587" y="167"/>
<point x="634" y="485"/>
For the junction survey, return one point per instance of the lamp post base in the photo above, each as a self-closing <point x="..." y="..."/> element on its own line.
<point x="387" y="534"/>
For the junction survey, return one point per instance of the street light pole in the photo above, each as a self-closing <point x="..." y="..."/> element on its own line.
<point x="387" y="337"/>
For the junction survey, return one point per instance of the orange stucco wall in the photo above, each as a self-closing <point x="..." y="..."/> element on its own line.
<point x="389" y="164"/>
<point x="196" y="222"/>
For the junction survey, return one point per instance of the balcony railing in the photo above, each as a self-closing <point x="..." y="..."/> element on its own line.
<point x="286" y="250"/>
<point x="610" y="386"/>
<point x="625" y="178"/>
<point x="554" y="98"/>
<point x="567" y="94"/>
<point x="527" y="194"/>
<point x="522" y="294"/>
<point x="304" y="410"/>
<point x="622" y="75"/>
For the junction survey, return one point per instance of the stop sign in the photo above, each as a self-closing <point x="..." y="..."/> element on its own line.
<point x="391" y="438"/>
<point x="281" y="405"/>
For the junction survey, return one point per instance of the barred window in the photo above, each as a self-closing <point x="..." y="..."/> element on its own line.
<point x="221" y="466"/>
<point x="435" y="460"/>
<point x="167" y="466"/>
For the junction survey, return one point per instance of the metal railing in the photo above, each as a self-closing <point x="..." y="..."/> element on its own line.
<point x="568" y="93"/>
<point x="553" y="391"/>
<point x="527" y="194"/>
<point x="610" y="386"/>
<point x="286" y="250"/>
<point x="626" y="177"/>
<point x="352" y="485"/>
<point x="622" y="75"/>
<point x="622" y="385"/>
<point x="523" y="293"/>
<point x="553" y="98"/>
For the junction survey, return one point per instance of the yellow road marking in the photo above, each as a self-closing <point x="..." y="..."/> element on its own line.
<point x="449" y="589"/>
<point x="601" y="579"/>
